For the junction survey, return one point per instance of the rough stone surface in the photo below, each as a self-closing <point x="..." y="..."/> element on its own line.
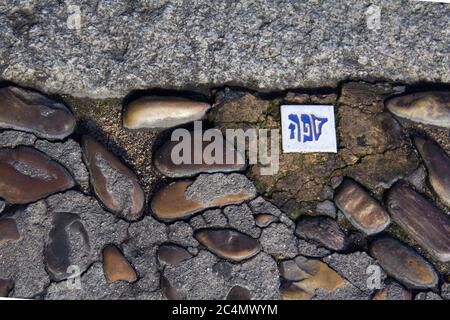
<point x="12" y="139"/>
<point x="427" y="296"/>
<point x="445" y="291"/>
<point x="310" y="43"/>
<point x="241" y="218"/>
<point x="262" y="206"/>
<point x="393" y="291"/>
<point x="182" y="234"/>
<point x="207" y="277"/>
<point x="312" y="250"/>
<point x="279" y="241"/>
<point x="354" y="268"/>
<point x="326" y="208"/>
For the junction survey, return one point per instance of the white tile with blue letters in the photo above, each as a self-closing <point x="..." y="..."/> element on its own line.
<point x="308" y="128"/>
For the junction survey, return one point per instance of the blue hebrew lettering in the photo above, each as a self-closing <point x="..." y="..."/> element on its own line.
<point x="294" y="127"/>
<point x="307" y="128"/>
<point x="317" y="125"/>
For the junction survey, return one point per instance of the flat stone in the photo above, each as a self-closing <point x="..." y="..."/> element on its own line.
<point x="290" y="271"/>
<point x="162" y="112"/>
<point x="393" y="291"/>
<point x="438" y="165"/>
<point x="116" y="267"/>
<point x="6" y="285"/>
<point x="326" y="208"/>
<point x="312" y="250"/>
<point x="206" y="277"/>
<point x="229" y="244"/>
<point x="29" y="111"/>
<point x="182" y="199"/>
<point x="239" y="293"/>
<point x="324" y="231"/>
<point x="12" y="139"/>
<point x="279" y="241"/>
<point x="209" y="162"/>
<point x="27" y="175"/>
<point x="404" y="264"/>
<point x="431" y="107"/>
<point x="241" y="218"/>
<point x="213" y="218"/>
<point x="114" y="184"/>
<point x="172" y="254"/>
<point x="168" y="291"/>
<point x="8" y="230"/>
<point x="264" y="220"/>
<point x="354" y="267"/>
<point x="69" y="154"/>
<point x="422" y="220"/>
<point x="319" y="278"/>
<point x="364" y="212"/>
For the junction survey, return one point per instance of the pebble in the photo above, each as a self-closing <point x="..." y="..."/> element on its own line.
<point x="264" y="220"/>
<point x="404" y="264"/>
<point x="422" y="220"/>
<point x="324" y="231"/>
<point x="432" y="108"/>
<point x="182" y="199"/>
<point x="229" y="244"/>
<point x="290" y="271"/>
<point x="207" y="164"/>
<point x="239" y="293"/>
<point x="113" y="183"/>
<point x="363" y="211"/>
<point x="8" y="230"/>
<point x="27" y="175"/>
<point x="438" y="165"/>
<point x="169" y="291"/>
<point x="172" y="254"/>
<point x="162" y="112"/>
<point x="6" y="285"/>
<point x="116" y="267"/>
<point x="29" y="111"/>
<point x="262" y="206"/>
<point x="326" y="208"/>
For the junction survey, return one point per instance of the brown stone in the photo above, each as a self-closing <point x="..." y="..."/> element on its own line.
<point x="8" y="230"/>
<point x="422" y="220"/>
<point x="114" y="183"/>
<point x="323" y="230"/>
<point x="169" y="291"/>
<point x="6" y="285"/>
<point x="162" y="112"/>
<point x="264" y="220"/>
<point x="209" y="162"/>
<point x="404" y="264"/>
<point x="289" y="270"/>
<point x="239" y="293"/>
<point x="363" y="211"/>
<point x="172" y="254"/>
<point x="29" y="111"/>
<point x="27" y="175"/>
<point x="317" y="276"/>
<point x="174" y="201"/>
<point x="438" y="166"/>
<point x="431" y="107"/>
<point x="228" y="243"/>
<point x="116" y="267"/>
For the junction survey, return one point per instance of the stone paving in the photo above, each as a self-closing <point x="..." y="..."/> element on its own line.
<point x="80" y="220"/>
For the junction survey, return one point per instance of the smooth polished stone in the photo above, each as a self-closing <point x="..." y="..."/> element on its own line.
<point x="431" y="107"/>
<point x="113" y="182"/>
<point x="363" y="211"/>
<point x="29" y="111"/>
<point x="6" y="285"/>
<point x="209" y="162"/>
<point x="116" y="267"/>
<point x="228" y="243"/>
<point x="8" y="230"/>
<point x="172" y="254"/>
<point x="323" y="230"/>
<point x="404" y="264"/>
<point x="438" y="167"/>
<point x="27" y="175"/>
<point x="421" y="219"/>
<point x="264" y="220"/>
<point x="239" y="293"/>
<point x="162" y="112"/>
